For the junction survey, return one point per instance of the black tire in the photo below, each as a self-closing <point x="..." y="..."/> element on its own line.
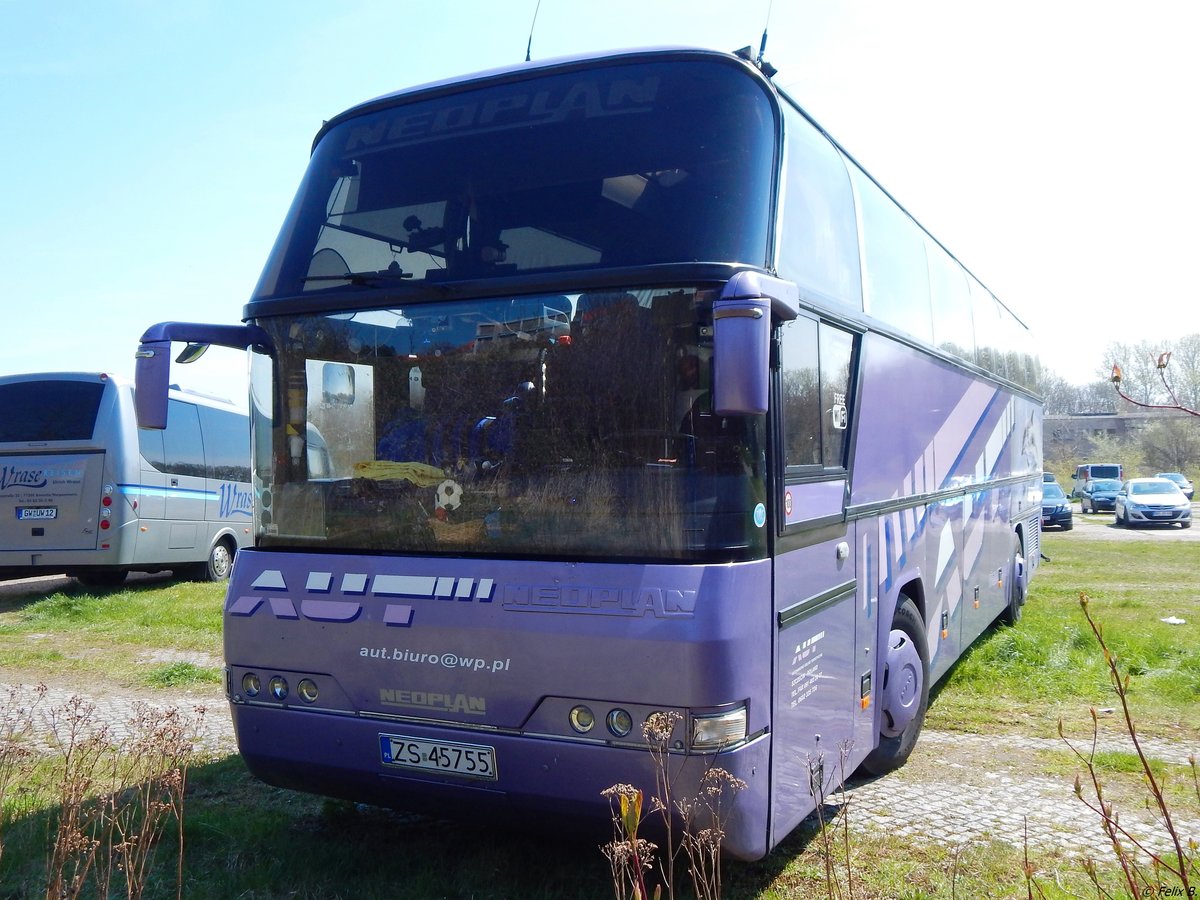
<point x="102" y="580"/>
<point x="1187" y="524"/>
<point x="907" y="659"/>
<point x="1068" y="526"/>
<point x="1014" y="584"/>
<point x="220" y="563"/>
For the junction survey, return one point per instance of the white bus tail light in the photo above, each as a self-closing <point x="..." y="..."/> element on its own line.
<point x="713" y="732"/>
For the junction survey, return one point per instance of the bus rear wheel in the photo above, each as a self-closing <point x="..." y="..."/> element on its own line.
<point x="219" y="565"/>
<point x="904" y="696"/>
<point x="1015" y="588"/>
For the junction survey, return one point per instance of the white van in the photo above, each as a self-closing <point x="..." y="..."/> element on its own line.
<point x="1088" y="471"/>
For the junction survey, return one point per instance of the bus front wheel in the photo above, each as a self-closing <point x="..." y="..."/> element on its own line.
<point x="904" y="696"/>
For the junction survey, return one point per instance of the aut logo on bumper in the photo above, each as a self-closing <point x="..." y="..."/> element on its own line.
<point x="317" y="604"/>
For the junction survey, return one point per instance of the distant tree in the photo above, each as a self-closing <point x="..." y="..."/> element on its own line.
<point x="1171" y="445"/>
<point x="1110" y="449"/>
<point x="1097" y="397"/>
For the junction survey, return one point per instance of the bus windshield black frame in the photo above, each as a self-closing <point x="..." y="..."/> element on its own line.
<point x="629" y="164"/>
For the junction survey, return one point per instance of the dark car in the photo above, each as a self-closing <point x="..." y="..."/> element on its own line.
<point x="1180" y="479"/>
<point x="1098" y="494"/>
<point x="1056" y="508"/>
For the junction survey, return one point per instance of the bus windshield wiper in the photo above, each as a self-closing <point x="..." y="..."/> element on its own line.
<point x="391" y="274"/>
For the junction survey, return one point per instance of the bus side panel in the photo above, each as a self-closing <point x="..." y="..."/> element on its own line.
<point x="923" y="428"/>
<point x="49" y="503"/>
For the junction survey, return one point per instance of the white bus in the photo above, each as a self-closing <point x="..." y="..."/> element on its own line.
<point x="85" y="492"/>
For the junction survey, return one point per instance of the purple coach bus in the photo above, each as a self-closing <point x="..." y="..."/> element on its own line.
<point x="598" y="387"/>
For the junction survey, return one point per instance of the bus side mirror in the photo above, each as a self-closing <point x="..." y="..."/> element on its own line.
<point x="742" y="321"/>
<point x="152" y="375"/>
<point x="153" y="371"/>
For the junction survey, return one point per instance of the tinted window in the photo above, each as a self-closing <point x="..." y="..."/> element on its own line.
<point x="49" y="410"/>
<point x="895" y="274"/>
<point x="953" y="328"/>
<point x="1051" y="491"/>
<point x="819" y="232"/>
<point x="617" y="165"/>
<point x="226" y="444"/>
<point x="815" y="386"/>
<point x="182" y="443"/>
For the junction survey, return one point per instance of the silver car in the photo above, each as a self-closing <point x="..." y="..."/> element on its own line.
<point x="1150" y="501"/>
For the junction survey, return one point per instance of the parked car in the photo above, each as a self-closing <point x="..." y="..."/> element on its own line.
<point x="1056" y="507"/>
<point x="1180" y="479"/>
<point x="1048" y="476"/>
<point x="1091" y="471"/>
<point x="1098" y="494"/>
<point x="1149" y="501"/>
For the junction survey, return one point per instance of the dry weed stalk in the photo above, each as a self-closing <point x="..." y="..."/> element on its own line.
<point x="17" y="758"/>
<point x="115" y="790"/>
<point x="1132" y="854"/>
<point x="819" y="786"/>
<point x="630" y="857"/>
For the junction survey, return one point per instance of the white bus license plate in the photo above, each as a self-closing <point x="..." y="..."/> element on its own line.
<point x="472" y="760"/>
<point x="37" y="512"/>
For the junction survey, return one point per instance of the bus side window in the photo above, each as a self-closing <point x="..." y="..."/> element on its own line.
<point x="150" y="445"/>
<point x="815" y="387"/>
<point x="800" y="375"/>
<point x="182" y="442"/>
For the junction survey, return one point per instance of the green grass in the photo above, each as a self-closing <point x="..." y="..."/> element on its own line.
<point x="246" y="839"/>
<point x="1049" y="667"/>
<point x="82" y="635"/>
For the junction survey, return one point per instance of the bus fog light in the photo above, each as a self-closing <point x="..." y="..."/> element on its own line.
<point x="619" y="722"/>
<point x="582" y="719"/>
<point x="721" y="730"/>
<point x="307" y="690"/>
<point x="279" y="687"/>
<point x="251" y="685"/>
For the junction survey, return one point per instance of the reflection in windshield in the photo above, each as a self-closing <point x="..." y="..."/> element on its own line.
<point x="578" y="425"/>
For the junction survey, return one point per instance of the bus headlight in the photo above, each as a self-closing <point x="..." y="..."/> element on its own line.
<point x="582" y="719"/>
<point x="712" y="732"/>
<point x="251" y="684"/>
<point x="307" y="690"/>
<point x="278" y="687"/>
<point x="619" y="722"/>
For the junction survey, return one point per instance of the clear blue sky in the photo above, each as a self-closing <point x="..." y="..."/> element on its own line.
<point x="151" y="149"/>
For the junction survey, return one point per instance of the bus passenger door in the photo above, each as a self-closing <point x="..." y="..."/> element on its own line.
<point x="816" y="692"/>
<point x="821" y="672"/>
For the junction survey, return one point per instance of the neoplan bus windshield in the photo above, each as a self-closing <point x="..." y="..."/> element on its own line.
<point x="564" y="425"/>
<point x="626" y="164"/>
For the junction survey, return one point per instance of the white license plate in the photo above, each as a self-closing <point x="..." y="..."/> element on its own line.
<point x="1163" y="514"/>
<point x="37" y="512"/>
<point x="471" y="760"/>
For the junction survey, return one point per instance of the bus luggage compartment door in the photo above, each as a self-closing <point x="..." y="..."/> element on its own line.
<point x="51" y="501"/>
